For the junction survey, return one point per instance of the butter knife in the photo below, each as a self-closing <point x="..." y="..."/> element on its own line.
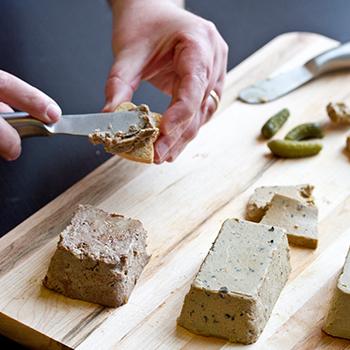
<point x="75" y="124"/>
<point x="279" y="85"/>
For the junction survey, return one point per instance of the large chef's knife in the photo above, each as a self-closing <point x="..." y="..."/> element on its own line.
<point x="276" y="86"/>
<point x="76" y="124"/>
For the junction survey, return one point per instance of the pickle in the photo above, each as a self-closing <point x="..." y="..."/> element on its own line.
<point x="305" y="131"/>
<point x="294" y="149"/>
<point x="275" y="123"/>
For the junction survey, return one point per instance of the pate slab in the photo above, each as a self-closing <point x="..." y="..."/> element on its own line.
<point x="99" y="257"/>
<point x="258" y="203"/>
<point x="298" y="219"/>
<point x="338" y="318"/>
<point x="238" y="283"/>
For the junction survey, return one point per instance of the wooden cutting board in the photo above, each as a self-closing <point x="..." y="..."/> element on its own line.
<point x="183" y="205"/>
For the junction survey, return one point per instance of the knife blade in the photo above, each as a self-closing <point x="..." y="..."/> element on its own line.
<point x="75" y="124"/>
<point x="279" y="85"/>
<point x="273" y="88"/>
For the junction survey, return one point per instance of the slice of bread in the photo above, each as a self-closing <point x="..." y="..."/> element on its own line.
<point x="144" y="154"/>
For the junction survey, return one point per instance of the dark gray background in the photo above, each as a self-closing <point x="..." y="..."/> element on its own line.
<point x="63" y="48"/>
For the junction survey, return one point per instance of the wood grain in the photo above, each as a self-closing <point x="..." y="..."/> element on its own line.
<point x="182" y="205"/>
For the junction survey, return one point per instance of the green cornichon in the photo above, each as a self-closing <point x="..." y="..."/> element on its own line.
<point x="294" y="149"/>
<point x="275" y="123"/>
<point x="305" y="131"/>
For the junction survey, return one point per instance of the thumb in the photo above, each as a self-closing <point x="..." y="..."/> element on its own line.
<point x="124" y="78"/>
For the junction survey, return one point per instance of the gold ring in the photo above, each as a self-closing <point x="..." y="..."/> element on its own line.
<point x="215" y="97"/>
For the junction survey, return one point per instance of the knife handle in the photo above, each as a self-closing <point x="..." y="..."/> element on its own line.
<point x="331" y="60"/>
<point x="25" y="124"/>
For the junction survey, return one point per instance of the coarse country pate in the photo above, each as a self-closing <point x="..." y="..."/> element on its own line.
<point x="99" y="257"/>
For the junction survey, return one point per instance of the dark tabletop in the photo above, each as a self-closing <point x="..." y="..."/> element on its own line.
<point x="63" y="48"/>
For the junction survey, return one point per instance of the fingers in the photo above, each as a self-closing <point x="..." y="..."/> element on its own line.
<point x="123" y="80"/>
<point x="168" y="147"/>
<point x="199" y="69"/>
<point x="189" y="134"/>
<point x="17" y="93"/>
<point x="4" y="108"/>
<point x="10" y="142"/>
<point x="193" y="68"/>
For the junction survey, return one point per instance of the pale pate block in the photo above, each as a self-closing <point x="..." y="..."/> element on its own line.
<point x="99" y="257"/>
<point x="297" y="219"/>
<point x="239" y="282"/>
<point x="260" y="200"/>
<point x="338" y="319"/>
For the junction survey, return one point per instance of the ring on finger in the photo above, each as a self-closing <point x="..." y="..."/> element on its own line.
<point x="215" y="97"/>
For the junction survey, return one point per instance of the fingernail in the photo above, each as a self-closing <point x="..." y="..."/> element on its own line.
<point x="53" y="112"/>
<point x="12" y="157"/>
<point x="107" y="108"/>
<point x="13" y="154"/>
<point x="162" y="150"/>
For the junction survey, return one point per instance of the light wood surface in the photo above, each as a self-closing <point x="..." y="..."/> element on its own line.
<point x="182" y="205"/>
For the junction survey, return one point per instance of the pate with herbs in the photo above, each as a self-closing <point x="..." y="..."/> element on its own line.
<point x="299" y="220"/>
<point x="99" y="257"/>
<point x="259" y="202"/>
<point x="239" y="282"/>
<point x="338" y="319"/>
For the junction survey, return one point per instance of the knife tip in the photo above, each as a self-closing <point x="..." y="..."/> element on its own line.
<point x="252" y="95"/>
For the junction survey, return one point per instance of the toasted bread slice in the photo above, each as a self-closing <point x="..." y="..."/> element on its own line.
<point x="143" y="154"/>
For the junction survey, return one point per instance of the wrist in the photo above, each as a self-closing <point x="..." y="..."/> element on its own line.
<point x="119" y="5"/>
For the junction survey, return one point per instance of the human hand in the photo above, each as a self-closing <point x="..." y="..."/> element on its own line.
<point x="16" y="93"/>
<point x="181" y="54"/>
